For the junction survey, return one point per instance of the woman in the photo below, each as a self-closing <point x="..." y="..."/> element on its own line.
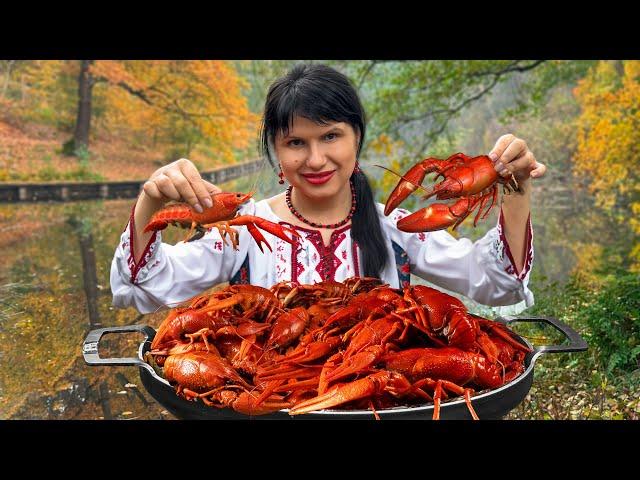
<point x="313" y="128"/>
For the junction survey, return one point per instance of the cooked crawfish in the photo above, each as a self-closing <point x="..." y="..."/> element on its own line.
<point x="473" y="180"/>
<point x="442" y="317"/>
<point x="245" y="401"/>
<point x="364" y="306"/>
<point x="242" y="348"/>
<point x="251" y="301"/>
<point x="222" y="215"/>
<point x="183" y="321"/>
<point x="198" y="372"/>
<point x="409" y="372"/>
<point x="287" y="327"/>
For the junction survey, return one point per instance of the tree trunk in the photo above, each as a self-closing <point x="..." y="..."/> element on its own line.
<point x="7" y="76"/>
<point x="619" y="66"/>
<point x="90" y="279"/>
<point x="83" y="120"/>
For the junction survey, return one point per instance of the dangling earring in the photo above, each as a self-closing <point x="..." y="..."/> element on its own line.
<point x="357" y="169"/>
<point x="281" y="175"/>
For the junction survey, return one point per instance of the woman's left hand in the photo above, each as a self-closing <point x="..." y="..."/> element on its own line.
<point x="512" y="155"/>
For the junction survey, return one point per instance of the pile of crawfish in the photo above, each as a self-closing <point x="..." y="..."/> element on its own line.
<point x="358" y="344"/>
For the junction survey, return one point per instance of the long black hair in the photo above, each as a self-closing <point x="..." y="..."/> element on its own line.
<point x="322" y="94"/>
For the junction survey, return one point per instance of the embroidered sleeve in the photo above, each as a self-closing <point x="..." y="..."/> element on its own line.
<point x="502" y="252"/>
<point x="481" y="270"/>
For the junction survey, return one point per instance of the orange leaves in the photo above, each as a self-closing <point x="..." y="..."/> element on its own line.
<point x="609" y="135"/>
<point x="609" y="130"/>
<point x="115" y="72"/>
<point x="180" y="104"/>
<point x="191" y="101"/>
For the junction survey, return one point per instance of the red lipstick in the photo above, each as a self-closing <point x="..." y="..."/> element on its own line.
<point x="318" y="178"/>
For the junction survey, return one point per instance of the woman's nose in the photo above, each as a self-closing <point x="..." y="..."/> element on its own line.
<point x="316" y="159"/>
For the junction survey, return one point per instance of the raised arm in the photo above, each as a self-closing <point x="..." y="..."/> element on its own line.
<point x="512" y="155"/>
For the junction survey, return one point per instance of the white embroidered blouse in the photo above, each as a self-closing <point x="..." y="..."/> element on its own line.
<point x="170" y="274"/>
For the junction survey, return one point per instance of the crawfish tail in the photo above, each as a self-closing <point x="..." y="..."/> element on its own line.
<point x="180" y="213"/>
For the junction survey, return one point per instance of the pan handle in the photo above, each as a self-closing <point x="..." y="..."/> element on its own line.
<point x="576" y="342"/>
<point x="90" y="346"/>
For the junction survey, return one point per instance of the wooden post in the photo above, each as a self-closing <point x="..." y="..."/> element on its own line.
<point x="104" y="401"/>
<point x="90" y="278"/>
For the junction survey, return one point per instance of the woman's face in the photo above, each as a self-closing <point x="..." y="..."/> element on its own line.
<point x="317" y="159"/>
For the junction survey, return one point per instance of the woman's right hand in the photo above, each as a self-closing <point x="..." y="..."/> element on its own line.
<point x="180" y="181"/>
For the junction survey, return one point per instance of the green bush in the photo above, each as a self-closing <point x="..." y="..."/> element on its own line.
<point x="613" y="317"/>
<point x="606" y="314"/>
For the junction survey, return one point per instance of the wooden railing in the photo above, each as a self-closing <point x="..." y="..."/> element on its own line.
<point x="69" y="191"/>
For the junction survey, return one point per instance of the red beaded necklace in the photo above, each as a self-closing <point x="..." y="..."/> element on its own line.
<point x="299" y="216"/>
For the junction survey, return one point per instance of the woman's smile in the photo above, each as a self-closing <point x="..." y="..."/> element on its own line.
<point x="318" y="178"/>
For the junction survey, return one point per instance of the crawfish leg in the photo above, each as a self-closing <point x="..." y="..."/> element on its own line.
<point x="273" y="228"/>
<point x="467" y="399"/>
<point x="440" y="392"/>
<point x="202" y="333"/>
<point x="224" y="228"/>
<point x="466" y="203"/>
<point x="491" y="194"/>
<point x="337" y="395"/>
<point x="269" y="389"/>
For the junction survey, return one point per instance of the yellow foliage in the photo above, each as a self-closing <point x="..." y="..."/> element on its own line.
<point x="178" y="102"/>
<point x="384" y="145"/>
<point x="588" y="259"/>
<point x="35" y="88"/>
<point x="608" y="149"/>
<point x="202" y="96"/>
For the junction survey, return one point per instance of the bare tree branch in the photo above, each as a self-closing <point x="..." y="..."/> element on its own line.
<point x="366" y="73"/>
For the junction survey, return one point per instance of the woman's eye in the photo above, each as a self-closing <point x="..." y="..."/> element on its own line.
<point x="295" y="143"/>
<point x="331" y="136"/>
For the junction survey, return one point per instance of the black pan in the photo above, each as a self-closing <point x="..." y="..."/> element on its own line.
<point x="493" y="404"/>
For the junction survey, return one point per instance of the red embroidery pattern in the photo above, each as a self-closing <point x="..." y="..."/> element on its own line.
<point x="337" y="237"/>
<point x="511" y="268"/>
<point x="244" y="277"/>
<point x="296" y="267"/>
<point x="146" y="252"/>
<point x="326" y="265"/>
<point x="328" y="261"/>
<point x="399" y="213"/>
<point x="354" y="255"/>
<point x="282" y="260"/>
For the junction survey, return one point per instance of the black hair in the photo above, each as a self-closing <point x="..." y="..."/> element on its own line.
<point x="322" y="94"/>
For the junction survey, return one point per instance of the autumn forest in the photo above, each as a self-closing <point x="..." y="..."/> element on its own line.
<point x="98" y="120"/>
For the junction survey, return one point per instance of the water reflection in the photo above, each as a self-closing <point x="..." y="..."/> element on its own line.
<point x="43" y="316"/>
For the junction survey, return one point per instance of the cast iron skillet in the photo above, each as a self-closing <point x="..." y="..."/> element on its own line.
<point x="493" y="404"/>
